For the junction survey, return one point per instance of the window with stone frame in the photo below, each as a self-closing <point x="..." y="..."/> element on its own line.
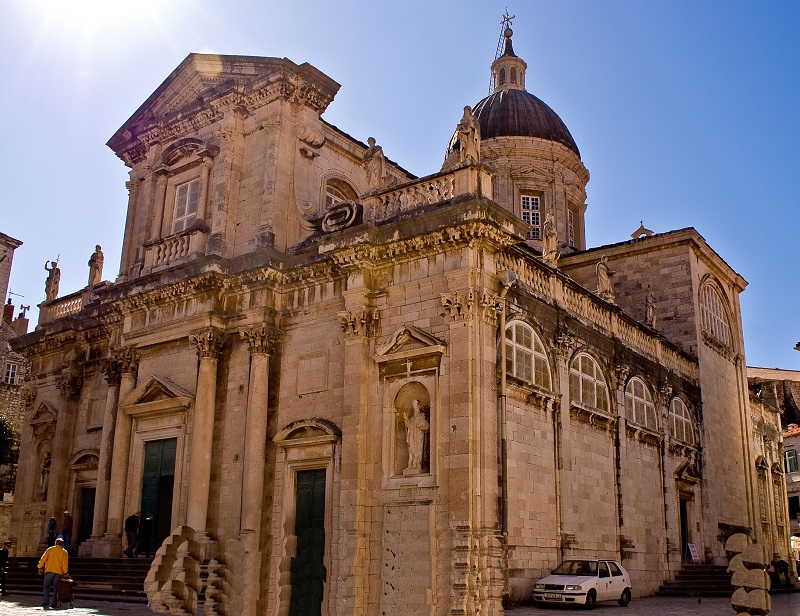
<point x="501" y="77"/>
<point x="10" y="377"/>
<point x="530" y="207"/>
<point x="526" y="359"/>
<point x="790" y="461"/>
<point x="714" y="314"/>
<point x="639" y="404"/>
<point x="337" y="191"/>
<point x="681" y="426"/>
<point x="587" y="385"/>
<point x="187" y="198"/>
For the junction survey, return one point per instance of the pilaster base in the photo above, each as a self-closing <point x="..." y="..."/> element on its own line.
<point x="105" y="546"/>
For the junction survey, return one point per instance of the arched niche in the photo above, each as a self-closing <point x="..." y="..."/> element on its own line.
<point x="412" y="411"/>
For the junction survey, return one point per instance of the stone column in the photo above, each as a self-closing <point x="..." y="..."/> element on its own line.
<point x="156" y="230"/>
<point x="129" y="363"/>
<point x="261" y="341"/>
<point x="209" y="344"/>
<point x="202" y="201"/>
<point x="113" y="373"/>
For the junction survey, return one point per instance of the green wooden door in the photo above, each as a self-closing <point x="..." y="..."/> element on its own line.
<point x="308" y="572"/>
<point x="157" y="483"/>
<point x="86" y="513"/>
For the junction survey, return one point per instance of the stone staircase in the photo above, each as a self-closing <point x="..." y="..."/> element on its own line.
<point x="103" y="579"/>
<point x="696" y="580"/>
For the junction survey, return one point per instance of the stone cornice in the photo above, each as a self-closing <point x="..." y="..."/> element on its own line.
<point x="204" y="283"/>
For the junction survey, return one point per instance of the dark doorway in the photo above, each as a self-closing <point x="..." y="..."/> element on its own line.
<point x="86" y="514"/>
<point x="157" y="487"/>
<point x="685" y="539"/>
<point x="308" y="572"/>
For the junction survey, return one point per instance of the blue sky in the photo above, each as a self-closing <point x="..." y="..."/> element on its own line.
<point x="686" y="114"/>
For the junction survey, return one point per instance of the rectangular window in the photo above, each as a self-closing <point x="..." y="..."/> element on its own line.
<point x="531" y="215"/>
<point x="10" y="377"/>
<point x="794" y="507"/>
<point x="790" y="461"/>
<point x="187" y="196"/>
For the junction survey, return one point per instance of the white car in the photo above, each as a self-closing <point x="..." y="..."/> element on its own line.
<point x="585" y="581"/>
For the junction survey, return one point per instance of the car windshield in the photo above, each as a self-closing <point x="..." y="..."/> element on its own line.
<point x="577" y="567"/>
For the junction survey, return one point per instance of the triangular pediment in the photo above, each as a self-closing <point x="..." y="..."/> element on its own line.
<point x="409" y="341"/>
<point x="156" y="394"/>
<point x="206" y="86"/>
<point x="45" y="413"/>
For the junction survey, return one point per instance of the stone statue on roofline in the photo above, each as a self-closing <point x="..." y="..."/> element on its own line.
<point x="53" y="280"/>
<point x="469" y="137"/>
<point x="96" y="266"/>
<point x="374" y="162"/>
<point x="650" y="309"/>
<point x="604" y="274"/>
<point x="549" y="241"/>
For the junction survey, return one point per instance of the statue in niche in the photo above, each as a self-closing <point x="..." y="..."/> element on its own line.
<point x="53" y="280"/>
<point x="550" y="241"/>
<point x="650" y="306"/>
<point x="604" y="274"/>
<point x="96" y="266"/>
<point x="374" y="162"/>
<point x="44" y="475"/>
<point x="417" y="426"/>
<point x="469" y="137"/>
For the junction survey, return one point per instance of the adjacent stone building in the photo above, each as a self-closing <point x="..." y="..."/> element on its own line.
<point x="340" y="384"/>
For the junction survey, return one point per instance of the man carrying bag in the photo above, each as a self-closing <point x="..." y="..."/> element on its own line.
<point x="54" y="564"/>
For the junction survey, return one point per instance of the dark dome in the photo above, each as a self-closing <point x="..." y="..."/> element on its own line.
<point x="518" y="113"/>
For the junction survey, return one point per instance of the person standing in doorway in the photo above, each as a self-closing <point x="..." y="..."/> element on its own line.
<point x="66" y="531"/>
<point x="53" y="565"/>
<point x="3" y="562"/>
<point x="51" y="531"/>
<point x="146" y="535"/>
<point x="132" y="534"/>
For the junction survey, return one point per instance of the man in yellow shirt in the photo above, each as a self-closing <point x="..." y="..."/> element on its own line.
<point x="54" y="564"/>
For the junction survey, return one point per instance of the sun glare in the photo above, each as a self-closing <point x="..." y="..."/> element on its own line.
<point x="90" y="16"/>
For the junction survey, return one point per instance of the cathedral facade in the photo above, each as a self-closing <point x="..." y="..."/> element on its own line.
<point x="345" y="388"/>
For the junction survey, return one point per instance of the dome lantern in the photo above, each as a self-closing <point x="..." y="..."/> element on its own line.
<point x="508" y="71"/>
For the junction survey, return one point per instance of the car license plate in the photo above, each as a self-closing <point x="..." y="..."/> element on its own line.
<point x="552" y="595"/>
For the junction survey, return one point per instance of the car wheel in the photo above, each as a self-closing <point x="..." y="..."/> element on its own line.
<point x="591" y="599"/>
<point x="625" y="599"/>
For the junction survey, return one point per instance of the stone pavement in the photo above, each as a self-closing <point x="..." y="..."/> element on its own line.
<point x="782" y="605"/>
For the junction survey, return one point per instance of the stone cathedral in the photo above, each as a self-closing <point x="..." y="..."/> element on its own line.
<point x="343" y="389"/>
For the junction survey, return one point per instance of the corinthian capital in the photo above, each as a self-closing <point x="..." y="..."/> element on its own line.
<point x="209" y="342"/>
<point x="127" y="359"/>
<point x="262" y="339"/>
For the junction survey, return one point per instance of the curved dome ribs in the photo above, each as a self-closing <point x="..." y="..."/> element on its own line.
<point x="518" y="113"/>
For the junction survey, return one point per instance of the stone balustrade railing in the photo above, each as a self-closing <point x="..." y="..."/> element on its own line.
<point x="473" y="180"/>
<point x="552" y="287"/>
<point x="61" y="307"/>
<point x="174" y="248"/>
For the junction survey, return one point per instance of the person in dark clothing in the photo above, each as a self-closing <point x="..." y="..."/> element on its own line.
<point x="146" y="535"/>
<point x="66" y="531"/>
<point x="51" y="530"/>
<point x="3" y="562"/>
<point x="132" y="534"/>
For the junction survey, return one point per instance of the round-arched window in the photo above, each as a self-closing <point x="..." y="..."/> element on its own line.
<point x="639" y="404"/>
<point x="525" y="355"/>
<point x="587" y="386"/>
<point x="680" y="422"/>
<point x="337" y="191"/>
<point x="714" y="315"/>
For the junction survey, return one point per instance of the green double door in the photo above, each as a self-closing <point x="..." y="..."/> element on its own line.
<point x="157" y="487"/>
<point x="308" y="572"/>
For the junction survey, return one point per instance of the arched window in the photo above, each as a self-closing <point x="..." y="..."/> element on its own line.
<point x="586" y="383"/>
<point x="337" y="191"/>
<point x="501" y="77"/>
<point x="513" y="74"/>
<point x="525" y="356"/>
<point x="680" y="422"/>
<point x="639" y="404"/>
<point x="714" y="315"/>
